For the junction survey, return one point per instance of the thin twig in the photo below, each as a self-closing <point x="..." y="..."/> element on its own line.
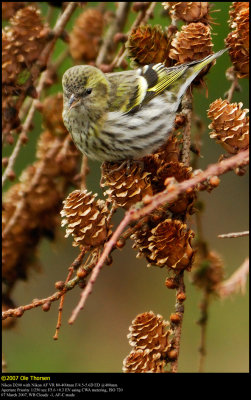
<point x="49" y="14"/>
<point x="240" y="159"/>
<point x="177" y="326"/>
<point x="60" y="308"/>
<point x="84" y="172"/>
<point x="233" y="235"/>
<point x="38" y="303"/>
<point x="116" y="26"/>
<point x="187" y="109"/>
<point x="148" y="13"/>
<point x="20" y="205"/>
<point x="141" y="19"/>
<point x="234" y="86"/>
<point x="160" y="198"/>
<point x="130" y="216"/>
<point x="203" y="324"/>
<point x="41" y="62"/>
<point x="17" y="312"/>
<point x="25" y="129"/>
<point x="108" y="247"/>
<point x="56" y="32"/>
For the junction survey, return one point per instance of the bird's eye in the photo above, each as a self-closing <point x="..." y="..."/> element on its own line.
<point x="88" y="91"/>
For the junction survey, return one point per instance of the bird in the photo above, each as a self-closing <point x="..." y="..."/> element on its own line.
<point x="125" y="115"/>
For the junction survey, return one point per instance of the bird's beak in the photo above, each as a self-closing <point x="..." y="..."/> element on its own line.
<point x="72" y="102"/>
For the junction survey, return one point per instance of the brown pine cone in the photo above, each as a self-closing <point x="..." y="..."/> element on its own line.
<point x="86" y="35"/>
<point x="164" y="164"/>
<point x="230" y="125"/>
<point x="52" y="109"/>
<point x="19" y="243"/>
<point x="169" y="152"/>
<point x="148" y="332"/>
<point x="193" y="42"/>
<point x="234" y="11"/>
<point x="126" y="186"/>
<point x="45" y="143"/>
<point x="181" y="173"/>
<point x="238" y="40"/>
<point x="9" y="8"/>
<point x="148" y="44"/>
<point x="66" y="164"/>
<point x="11" y="67"/>
<point x="168" y="244"/>
<point x="149" y="337"/>
<point x="191" y="11"/>
<point x="139" y="361"/>
<point x="208" y="272"/>
<point x="23" y="41"/>
<point x="16" y="238"/>
<point x="29" y="35"/>
<point x="43" y="196"/>
<point x="86" y="218"/>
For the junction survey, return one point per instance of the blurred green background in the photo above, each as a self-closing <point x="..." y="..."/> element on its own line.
<point x="97" y="341"/>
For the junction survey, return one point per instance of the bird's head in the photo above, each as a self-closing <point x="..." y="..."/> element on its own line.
<point x="85" y="88"/>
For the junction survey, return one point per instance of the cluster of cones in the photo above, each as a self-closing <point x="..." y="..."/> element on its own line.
<point x="164" y="239"/>
<point x="149" y="337"/>
<point x="31" y="207"/>
<point x="22" y="43"/>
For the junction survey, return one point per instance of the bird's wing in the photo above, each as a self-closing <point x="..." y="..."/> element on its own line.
<point x="126" y="90"/>
<point x="130" y="90"/>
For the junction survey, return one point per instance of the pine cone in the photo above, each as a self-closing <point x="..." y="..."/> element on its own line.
<point x="168" y="244"/>
<point x="230" y="125"/>
<point x="169" y="152"/>
<point x="43" y="196"/>
<point x="45" y="143"/>
<point x="148" y="331"/>
<point x="126" y="187"/>
<point x="29" y="35"/>
<point x="193" y="42"/>
<point x="11" y="67"/>
<point x="235" y="9"/>
<point x="189" y="11"/>
<point x="238" y="40"/>
<point x="15" y="239"/>
<point x="86" y="218"/>
<point x="52" y="109"/>
<point x="86" y="35"/>
<point x="181" y="173"/>
<point x="149" y="337"/>
<point x="23" y="41"/>
<point x="9" y="8"/>
<point x="164" y="164"/>
<point x="139" y="361"/>
<point x="208" y="272"/>
<point x="39" y="204"/>
<point x="19" y="243"/>
<point x="148" y="44"/>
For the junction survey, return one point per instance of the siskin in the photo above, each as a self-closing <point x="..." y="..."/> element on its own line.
<point x="125" y="115"/>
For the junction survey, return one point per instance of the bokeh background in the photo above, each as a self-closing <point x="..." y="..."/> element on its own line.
<point x="97" y="341"/>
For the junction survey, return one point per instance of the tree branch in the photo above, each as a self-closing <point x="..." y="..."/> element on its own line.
<point x="35" y="71"/>
<point x="233" y="235"/>
<point x="164" y="197"/>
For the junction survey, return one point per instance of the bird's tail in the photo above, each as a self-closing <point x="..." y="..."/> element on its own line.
<point x="194" y="68"/>
<point x="199" y="65"/>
